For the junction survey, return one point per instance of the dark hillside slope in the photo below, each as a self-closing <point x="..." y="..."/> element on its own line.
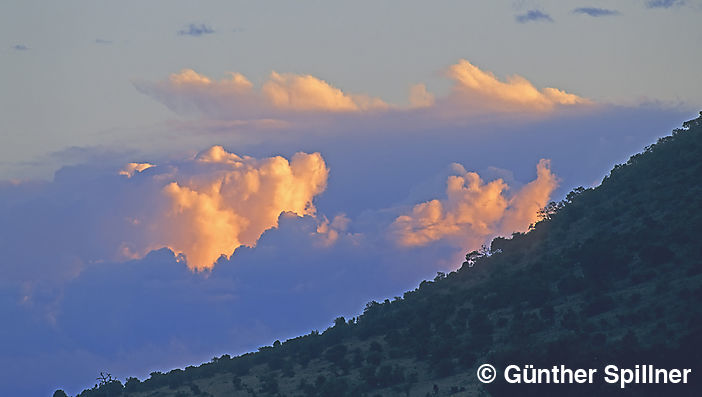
<point x="612" y="275"/>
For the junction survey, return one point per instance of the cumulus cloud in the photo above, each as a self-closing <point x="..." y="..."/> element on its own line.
<point x="533" y="16"/>
<point x="131" y="168"/>
<point x="235" y="97"/>
<point x="306" y="93"/>
<point x="475" y="211"/>
<point x="420" y="97"/>
<point x="219" y="201"/>
<point x="136" y="308"/>
<point x="190" y="92"/>
<point x="525" y="204"/>
<point x="328" y="232"/>
<point x="201" y="208"/>
<point x="285" y="95"/>
<point x="195" y="30"/>
<point x="20" y="47"/>
<point x="595" y="11"/>
<point x="476" y="89"/>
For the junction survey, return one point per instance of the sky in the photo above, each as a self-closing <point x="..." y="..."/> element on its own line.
<point x="180" y="180"/>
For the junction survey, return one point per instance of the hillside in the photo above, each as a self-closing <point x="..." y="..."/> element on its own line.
<point x="611" y="275"/>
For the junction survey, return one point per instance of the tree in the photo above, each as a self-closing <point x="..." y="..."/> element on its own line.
<point x="336" y="354"/>
<point x="269" y="384"/>
<point x="549" y="210"/>
<point x="473" y="256"/>
<point x="60" y="393"/>
<point x="132" y="385"/>
<point x="693" y="123"/>
<point x="339" y="322"/>
<point x="104" y="378"/>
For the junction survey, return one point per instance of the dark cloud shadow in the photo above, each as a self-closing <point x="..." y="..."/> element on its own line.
<point x="533" y="16"/>
<point x="595" y="12"/>
<point x="196" y="30"/>
<point x="664" y="3"/>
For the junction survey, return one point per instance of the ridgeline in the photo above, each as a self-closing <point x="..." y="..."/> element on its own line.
<point x="611" y="275"/>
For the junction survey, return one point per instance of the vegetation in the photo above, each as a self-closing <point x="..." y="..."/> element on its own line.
<point x="610" y="275"/>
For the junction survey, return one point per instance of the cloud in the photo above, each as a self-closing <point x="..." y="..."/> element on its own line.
<point x="89" y="213"/>
<point x="135" y="317"/>
<point x="524" y="206"/>
<point x="474" y="211"/>
<point x="190" y="92"/>
<point x="235" y="97"/>
<point x="307" y="93"/>
<point x="102" y="41"/>
<point x="481" y="90"/>
<point x="201" y="208"/>
<point x="664" y="3"/>
<point x="220" y="201"/>
<point x="595" y="12"/>
<point x="283" y="96"/>
<point x="328" y="232"/>
<point x="533" y="16"/>
<point x="131" y="168"/>
<point x="72" y="310"/>
<point x="20" y="47"/>
<point x="420" y="97"/>
<point x="196" y="30"/>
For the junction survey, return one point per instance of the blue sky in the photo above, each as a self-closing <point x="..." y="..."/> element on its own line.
<point x="332" y="152"/>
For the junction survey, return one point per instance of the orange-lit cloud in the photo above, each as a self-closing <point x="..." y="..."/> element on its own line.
<point x="283" y="95"/>
<point x="475" y="211"/>
<point x="131" y="168"/>
<point x="481" y="90"/>
<point x="524" y="206"/>
<point x="308" y="93"/>
<point x="190" y="92"/>
<point x="235" y="97"/>
<point x="209" y="206"/>
<point x="328" y="232"/>
<point x="420" y="97"/>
